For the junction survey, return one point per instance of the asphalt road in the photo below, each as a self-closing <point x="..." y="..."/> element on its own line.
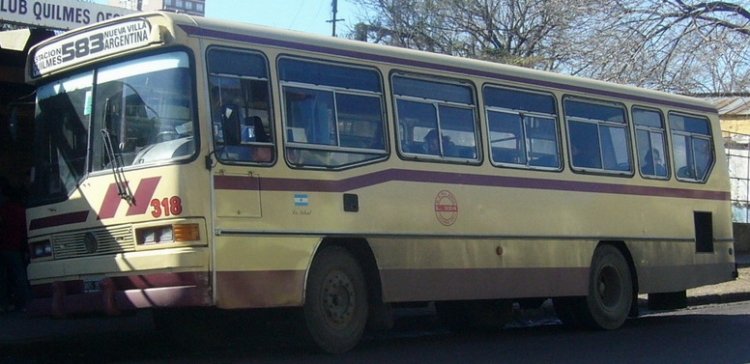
<point x="706" y="334"/>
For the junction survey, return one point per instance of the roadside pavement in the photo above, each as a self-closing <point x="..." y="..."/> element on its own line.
<point x="18" y="328"/>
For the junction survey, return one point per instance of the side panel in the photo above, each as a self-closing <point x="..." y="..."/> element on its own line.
<point x="671" y="266"/>
<point x="475" y="244"/>
<point x="259" y="270"/>
<point x="424" y="269"/>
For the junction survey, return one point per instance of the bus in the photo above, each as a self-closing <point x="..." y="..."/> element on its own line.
<point x="185" y="162"/>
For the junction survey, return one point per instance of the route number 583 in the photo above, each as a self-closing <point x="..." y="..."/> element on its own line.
<point x="82" y="47"/>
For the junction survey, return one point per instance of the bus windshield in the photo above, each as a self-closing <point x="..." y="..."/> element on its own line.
<point x="133" y="113"/>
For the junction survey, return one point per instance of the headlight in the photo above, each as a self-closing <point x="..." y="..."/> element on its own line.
<point x="40" y="249"/>
<point x="166" y="234"/>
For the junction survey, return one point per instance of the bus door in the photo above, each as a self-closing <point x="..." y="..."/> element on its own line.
<point x="242" y="130"/>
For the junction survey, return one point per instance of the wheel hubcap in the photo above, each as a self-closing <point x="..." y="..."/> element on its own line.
<point x="338" y="298"/>
<point x="609" y="287"/>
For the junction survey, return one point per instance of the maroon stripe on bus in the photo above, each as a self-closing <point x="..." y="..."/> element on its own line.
<point x="143" y="195"/>
<point x="110" y="203"/>
<point x="194" y="30"/>
<point x="256" y="289"/>
<point x="236" y="183"/>
<point x="59" y="220"/>
<point x="482" y="283"/>
<point x="405" y="175"/>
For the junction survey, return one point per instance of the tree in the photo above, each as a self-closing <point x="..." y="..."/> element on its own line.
<point x="522" y="32"/>
<point x="669" y="45"/>
<point x="673" y="45"/>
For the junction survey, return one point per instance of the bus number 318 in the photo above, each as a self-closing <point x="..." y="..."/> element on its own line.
<point x="166" y="206"/>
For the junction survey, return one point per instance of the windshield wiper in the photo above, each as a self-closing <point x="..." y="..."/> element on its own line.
<point x="123" y="190"/>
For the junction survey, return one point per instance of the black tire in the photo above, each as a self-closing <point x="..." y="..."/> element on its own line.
<point x="336" y="302"/>
<point x="610" y="296"/>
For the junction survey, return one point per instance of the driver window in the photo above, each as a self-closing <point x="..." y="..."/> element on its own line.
<point x="240" y="106"/>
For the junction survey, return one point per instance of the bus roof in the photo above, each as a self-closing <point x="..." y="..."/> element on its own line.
<point x="408" y="59"/>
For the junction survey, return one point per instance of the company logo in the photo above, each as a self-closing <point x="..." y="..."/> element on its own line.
<point x="446" y="208"/>
<point x="141" y="199"/>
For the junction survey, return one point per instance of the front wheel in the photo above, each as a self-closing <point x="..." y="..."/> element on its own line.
<point x="335" y="309"/>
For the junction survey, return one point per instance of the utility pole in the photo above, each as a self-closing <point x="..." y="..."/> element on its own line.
<point x="333" y="21"/>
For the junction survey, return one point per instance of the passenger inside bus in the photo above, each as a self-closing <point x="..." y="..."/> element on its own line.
<point x="431" y="143"/>
<point x="653" y="164"/>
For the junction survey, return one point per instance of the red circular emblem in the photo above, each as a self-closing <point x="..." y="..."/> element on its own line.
<point x="446" y="208"/>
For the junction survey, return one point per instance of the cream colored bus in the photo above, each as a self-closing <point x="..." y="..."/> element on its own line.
<point x="188" y="162"/>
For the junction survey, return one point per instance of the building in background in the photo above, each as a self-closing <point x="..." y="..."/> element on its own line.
<point x="734" y="114"/>
<point x="192" y="7"/>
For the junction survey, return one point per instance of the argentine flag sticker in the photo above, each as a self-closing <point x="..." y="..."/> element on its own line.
<point x="301" y="200"/>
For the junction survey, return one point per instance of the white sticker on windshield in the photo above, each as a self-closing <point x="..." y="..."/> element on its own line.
<point x="87" y="104"/>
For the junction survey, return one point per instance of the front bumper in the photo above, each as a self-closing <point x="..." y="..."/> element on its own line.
<point x="112" y="295"/>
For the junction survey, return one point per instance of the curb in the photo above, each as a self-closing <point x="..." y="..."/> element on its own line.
<point x="710" y="299"/>
<point x="729" y="297"/>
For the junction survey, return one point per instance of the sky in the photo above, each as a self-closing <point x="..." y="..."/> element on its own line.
<point x="303" y="15"/>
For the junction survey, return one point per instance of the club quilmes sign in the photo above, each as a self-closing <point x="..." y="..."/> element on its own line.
<point x="57" y="14"/>
<point x="99" y="42"/>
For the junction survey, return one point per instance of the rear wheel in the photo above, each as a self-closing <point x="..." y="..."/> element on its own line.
<point x="610" y="289"/>
<point x="610" y="296"/>
<point x="336" y="307"/>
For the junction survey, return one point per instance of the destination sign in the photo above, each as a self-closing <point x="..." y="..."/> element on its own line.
<point x="98" y="42"/>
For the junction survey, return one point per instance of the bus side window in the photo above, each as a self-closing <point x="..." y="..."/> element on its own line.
<point x="240" y="106"/>
<point x="522" y="128"/>
<point x="420" y="119"/>
<point x="436" y="119"/>
<point x="598" y="136"/>
<point x="584" y="145"/>
<point x="333" y="113"/>
<point x="692" y="147"/>
<point x="650" y="138"/>
<point x="506" y="138"/>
